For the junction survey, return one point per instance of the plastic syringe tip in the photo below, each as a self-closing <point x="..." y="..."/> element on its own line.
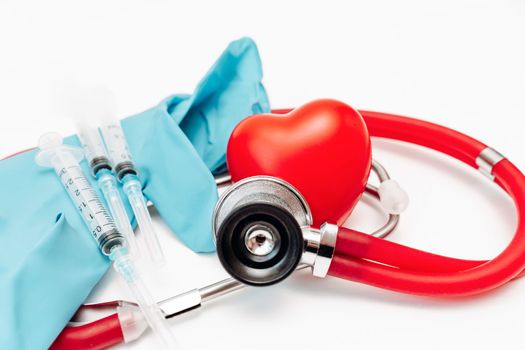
<point x="50" y="144"/>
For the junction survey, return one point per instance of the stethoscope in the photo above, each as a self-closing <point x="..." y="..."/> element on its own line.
<point x="262" y="227"/>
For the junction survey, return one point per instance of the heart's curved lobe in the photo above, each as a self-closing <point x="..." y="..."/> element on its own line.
<point x="322" y="148"/>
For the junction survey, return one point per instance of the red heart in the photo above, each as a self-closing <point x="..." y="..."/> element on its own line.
<point x="322" y="148"/>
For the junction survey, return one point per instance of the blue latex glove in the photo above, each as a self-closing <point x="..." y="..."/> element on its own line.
<point x="202" y="116"/>
<point x="48" y="260"/>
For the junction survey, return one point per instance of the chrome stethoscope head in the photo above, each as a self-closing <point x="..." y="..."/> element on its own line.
<point x="258" y="226"/>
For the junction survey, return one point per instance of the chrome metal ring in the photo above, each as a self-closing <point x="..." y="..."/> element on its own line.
<point x="261" y="189"/>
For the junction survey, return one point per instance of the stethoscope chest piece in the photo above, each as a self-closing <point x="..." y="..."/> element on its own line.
<point x="258" y="225"/>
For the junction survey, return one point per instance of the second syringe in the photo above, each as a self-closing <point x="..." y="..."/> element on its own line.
<point x="101" y="169"/>
<point x="111" y="162"/>
<point x="126" y="172"/>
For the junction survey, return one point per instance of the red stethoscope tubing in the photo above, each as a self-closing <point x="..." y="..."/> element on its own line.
<point x="362" y="258"/>
<point x="96" y="335"/>
<point x="402" y="269"/>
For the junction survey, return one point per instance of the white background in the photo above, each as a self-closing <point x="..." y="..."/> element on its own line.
<point x="458" y="63"/>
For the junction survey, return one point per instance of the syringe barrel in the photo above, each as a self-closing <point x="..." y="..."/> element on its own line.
<point x="118" y="148"/>
<point x="108" y="185"/>
<point x="93" y="212"/>
<point x="94" y="149"/>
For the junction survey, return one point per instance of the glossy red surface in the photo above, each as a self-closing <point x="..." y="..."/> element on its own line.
<point x="97" y="335"/>
<point x="392" y="266"/>
<point x="322" y="148"/>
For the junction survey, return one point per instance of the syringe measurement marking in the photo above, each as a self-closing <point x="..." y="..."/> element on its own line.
<point x="86" y="199"/>
<point x="91" y="196"/>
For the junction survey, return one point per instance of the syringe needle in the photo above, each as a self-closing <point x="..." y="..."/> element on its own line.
<point x="133" y="190"/>
<point x="151" y="310"/>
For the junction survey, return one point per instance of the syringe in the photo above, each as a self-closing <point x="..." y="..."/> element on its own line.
<point x="101" y="169"/>
<point x="120" y="156"/>
<point x="65" y="161"/>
